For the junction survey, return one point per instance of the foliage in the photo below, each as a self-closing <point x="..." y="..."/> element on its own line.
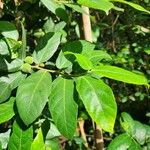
<point x="50" y="78"/>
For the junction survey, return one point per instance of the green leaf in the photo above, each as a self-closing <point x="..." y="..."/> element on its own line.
<point x="76" y="7"/>
<point x="38" y="143"/>
<point x="99" y="101"/>
<point x="135" y="129"/>
<point x="32" y="95"/>
<point x="80" y="46"/>
<point x="4" y="50"/>
<point x="120" y="74"/>
<point x="84" y="62"/>
<point x="20" y="139"/>
<point x="123" y="142"/>
<point x="13" y="66"/>
<point x="7" y="111"/>
<point x="46" y="47"/>
<point x="5" y="91"/>
<point x="62" y="106"/>
<point x="104" y="5"/>
<point x="96" y="56"/>
<point x="13" y="79"/>
<point x="62" y="62"/>
<point x="56" y="8"/>
<point x="136" y="6"/>
<point x="4" y="138"/>
<point x="8" y="30"/>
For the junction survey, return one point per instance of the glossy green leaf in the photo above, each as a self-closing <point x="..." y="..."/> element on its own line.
<point x="62" y="106"/>
<point x="56" y="8"/>
<point x="136" y="6"/>
<point x="8" y="30"/>
<point x="104" y="5"/>
<point x="120" y="74"/>
<point x="7" y="111"/>
<point x="5" y="91"/>
<point x="124" y="142"/>
<point x="46" y="47"/>
<point x="20" y="139"/>
<point x="38" y="143"/>
<point x="99" y="101"/>
<point x="32" y="95"/>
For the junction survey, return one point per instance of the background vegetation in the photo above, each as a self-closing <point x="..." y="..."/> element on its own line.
<point x="124" y="35"/>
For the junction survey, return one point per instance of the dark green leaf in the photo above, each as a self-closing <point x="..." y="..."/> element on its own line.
<point x="7" y="111"/>
<point x="62" y="106"/>
<point x="20" y="139"/>
<point x="46" y="47"/>
<point x="8" y="30"/>
<point x="3" y="48"/>
<point x="120" y="74"/>
<point x="13" y="66"/>
<point x="32" y="96"/>
<point x="56" y="8"/>
<point x="99" y="101"/>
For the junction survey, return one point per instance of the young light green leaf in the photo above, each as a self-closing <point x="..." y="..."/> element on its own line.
<point x="120" y="74"/>
<point x="38" y="143"/>
<point x="5" y="91"/>
<point x="46" y="47"/>
<point x="56" y="8"/>
<point x="62" y="106"/>
<point x="20" y="139"/>
<point x="124" y="142"/>
<point x="99" y="101"/>
<point x="104" y="5"/>
<point x="8" y="30"/>
<point x="32" y="95"/>
<point x="7" y="111"/>
<point x="136" y="6"/>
